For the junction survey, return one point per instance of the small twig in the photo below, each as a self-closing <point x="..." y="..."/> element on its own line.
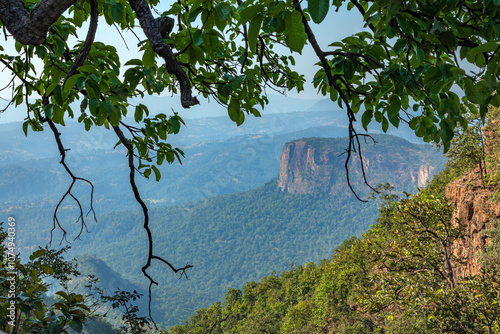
<point x="123" y="39"/>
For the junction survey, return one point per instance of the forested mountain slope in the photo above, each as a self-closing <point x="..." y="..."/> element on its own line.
<point x="426" y="266"/>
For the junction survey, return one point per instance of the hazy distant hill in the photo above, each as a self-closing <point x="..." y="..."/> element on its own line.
<point x="221" y="158"/>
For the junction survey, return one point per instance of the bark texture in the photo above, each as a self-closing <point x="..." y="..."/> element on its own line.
<point x="152" y="31"/>
<point x="31" y="27"/>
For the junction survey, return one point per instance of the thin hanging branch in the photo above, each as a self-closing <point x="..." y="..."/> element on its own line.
<point x="137" y="195"/>
<point x="62" y="152"/>
<point x="332" y="82"/>
<point x="87" y="45"/>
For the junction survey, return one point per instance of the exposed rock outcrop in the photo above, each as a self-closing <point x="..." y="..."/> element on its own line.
<point x="315" y="165"/>
<point x="474" y="209"/>
<point x="424" y="174"/>
<point x="476" y="205"/>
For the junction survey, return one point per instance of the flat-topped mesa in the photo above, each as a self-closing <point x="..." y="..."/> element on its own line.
<point x="316" y="165"/>
<point x="306" y="169"/>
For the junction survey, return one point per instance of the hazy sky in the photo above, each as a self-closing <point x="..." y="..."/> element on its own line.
<point x="337" y="26"/>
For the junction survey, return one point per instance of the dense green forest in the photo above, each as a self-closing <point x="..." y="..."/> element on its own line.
<point x="399" y="277"/>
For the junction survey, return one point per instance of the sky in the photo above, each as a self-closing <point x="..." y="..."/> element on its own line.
<point x="336" y="26"/>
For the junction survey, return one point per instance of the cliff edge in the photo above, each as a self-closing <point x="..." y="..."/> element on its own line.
<point x="317" y="165"/>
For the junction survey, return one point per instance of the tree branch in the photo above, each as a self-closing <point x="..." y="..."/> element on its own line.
<point x="152" y="31"/>
<point x="89" y="40"/>
<point x="31" y="27"/>
<point x="62" y="152"/>
<point x="137" y="195"/>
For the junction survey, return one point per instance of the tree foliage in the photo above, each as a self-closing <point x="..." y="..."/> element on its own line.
<point x="40" y="296"/>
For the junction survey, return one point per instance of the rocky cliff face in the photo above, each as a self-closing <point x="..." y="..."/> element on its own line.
<point x="475" y="210"/>
<point x="305" y="169"/>
<point x="317" y="165"/>
<point x="475" y="207"/>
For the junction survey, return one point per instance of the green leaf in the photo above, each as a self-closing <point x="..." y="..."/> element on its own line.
<point x="117" y="12"/>
<point x="58" y="94"/>
<point x="47" y="269"/>
<point x="486" y="47"/>
<point x="80" y="82"/>
<point x="51" y="87"/>
<point x="157" y="173"/>
<point x="37" y="254"/>
<point x="393" y="110"/>
<point x="393" y="7"/>
<point x="366" y="119"/>
<point x="84" y="104"/>
<point x="385" y="124"/>
<point x="76" y="325"/>
<point x="194" y="14"/>
<point x="198" y="37"/>
<point x="318" y="9"/>
<point x="114" y="116"/>
<point x="249" y="13"/>
<point x="401" y="45"/>
<point x="235" y="112"/>
<point x="49" y="110"/>
<point x="71" y="82"/>
<point x="138" y="114"/>
<point x="88" y="69"/>
<point x="135" y="62"/>
<point x="25" y="128"/>
<point x="447" y="132"/>
<point x="176" y="125"/>
<point x="223" y="10"/>
<point x="495" y="101"/>
<point x="295" y="35"/>
<point x="253" y="32"/>
<point x="148" y="58"/>
<point x="94" y="107"/>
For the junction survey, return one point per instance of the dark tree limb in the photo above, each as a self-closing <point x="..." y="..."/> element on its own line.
<point x="31" y="27"/>
<point x="137" y="195"/>
<point x="89" y="40"/>
<point x="152" y="31"/>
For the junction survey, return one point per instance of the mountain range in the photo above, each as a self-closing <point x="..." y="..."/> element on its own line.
<point x="237" y="230"/>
